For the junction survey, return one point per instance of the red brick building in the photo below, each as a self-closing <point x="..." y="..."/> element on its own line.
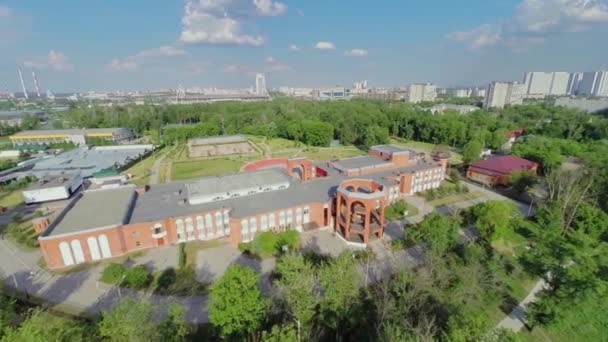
<point x="498" y="171"/>
<point x="348" y="195"/>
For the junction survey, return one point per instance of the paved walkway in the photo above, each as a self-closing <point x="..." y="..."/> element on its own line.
<point x="517" y="318"/>
<point x="154" y="172"/>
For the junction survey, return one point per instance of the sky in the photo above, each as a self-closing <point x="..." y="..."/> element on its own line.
<point x="153" y="44"/>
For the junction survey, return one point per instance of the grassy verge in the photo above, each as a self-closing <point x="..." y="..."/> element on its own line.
<point x="268" y="244"/>
<point x="396" y="210"/>
<point x="455" y="199"/>
<point x="192" y="248"/>
<point x="11" y="199"/>
<point x="141" y="171"/>
<point x="22" y="233"/>
<point x="201" y="168"/>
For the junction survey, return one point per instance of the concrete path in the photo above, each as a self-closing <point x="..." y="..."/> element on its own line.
<point x="154" y="173"/>
<point x="517" y="318"/>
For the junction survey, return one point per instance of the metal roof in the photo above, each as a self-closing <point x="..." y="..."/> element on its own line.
<point x="360" y="163"/>
<point x="94" y="209"/>
<point x="68" y="132"/>
<point x="390" y="149"/>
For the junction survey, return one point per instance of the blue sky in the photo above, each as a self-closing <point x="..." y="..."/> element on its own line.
<point x="152" y="44"/>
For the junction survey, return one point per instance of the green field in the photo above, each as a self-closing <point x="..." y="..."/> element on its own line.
<point x="202" y="168"/>
<point x="11" y="199"/>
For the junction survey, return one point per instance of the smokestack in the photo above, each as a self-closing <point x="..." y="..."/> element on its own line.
<point x="36" y="83"/>
<point x="22" y="84"/>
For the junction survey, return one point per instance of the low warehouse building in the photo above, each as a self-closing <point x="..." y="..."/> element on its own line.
<point x="53" y="188"/>
<point x="29" y="139"/>
<point x="498" y="171"/>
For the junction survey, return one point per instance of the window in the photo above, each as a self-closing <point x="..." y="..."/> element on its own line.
<point x="179" y="226"/>
<point x="189" y="228"/>
<point x="245" y="231"/>
<point x="226" y="222"/>
<point x="289" y="217"/>
<point x="306" y="215"/>
<point x="209" y="225"/>
<point x="77" y="250"/>
<point x="137" y="243"/>
<point x="200" y="227"/>
<point x="253" y="227"/>
<point x="282" y="219"/>
<point x="219" y="225"/>
<point x="157" y="229"/>
<point x="264" y="223"/>
<point x="299" y="217"/>
<point x="66" y="254"/>
<point x="271" y="222"/>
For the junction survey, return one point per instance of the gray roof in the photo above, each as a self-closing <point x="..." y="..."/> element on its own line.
<point x="359" y="163"/>
<point x="235" y="182"/>
<point x="221" y="139"/>
<point x="94" y="209"/>
<point x="390" y="149"/>
<point x="68" y="131"/>
<point x="52" y="181"/>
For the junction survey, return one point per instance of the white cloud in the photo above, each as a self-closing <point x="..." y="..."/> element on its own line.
<point x="325" y="46"/>
<point x="269" y="7"/>
<point x="133" y="62"/>
<point x="55" y="61"/>
<point x="273" y="65"/>
<point x="294" y="47"/>
<point x="534" y="19"/>
<point x="122" y="65"/>
<point x="5" y="12"/>
<point x="221" y="21"/>
<point x="356" y="53"/>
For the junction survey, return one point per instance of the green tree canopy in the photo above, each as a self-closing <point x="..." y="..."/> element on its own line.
<point x="130" y="320"/>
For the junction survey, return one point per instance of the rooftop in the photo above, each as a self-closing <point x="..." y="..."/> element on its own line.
<point x="503" y="165"/>
<point x="222" y="139"/>
<point x="52" y="181"/>
<point x="360" y="163"/>
<point x="94" y="209"/>
<point x="390" y="149"/>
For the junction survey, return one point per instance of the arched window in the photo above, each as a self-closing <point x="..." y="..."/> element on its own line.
<point x="66" y="254"/>
<point x="105" y="246"/>
<point x="282" y="219"/>
<point x="209" y="225"/>
<point x="219" y="225"/>
<point x="93" y="248"/>
<point x="271" y="222"/>
<point x="226" y="222"/>
<point x="179" y="226"/>
<point x="289" y="218"/>
<point x="253" y="227"/>
<point x="298" y="218"/>
<point x="189" y="228"/>
<point x="245" y="231"/>
<point x="77" y="250"/>
<point x="264" y="223"/>
<point x="200" y="227"/>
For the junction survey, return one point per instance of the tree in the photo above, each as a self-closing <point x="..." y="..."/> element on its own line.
<point x="43" y="326"/>
<point x="278" y="333"/>
<point x="8" y="312"/>
<point x="174" y="327"/>
<point x="375" y="135"/>
<point x="317" y="133"/>
<point x="472" y="151"/>
<point x="496" y="220"/>
<point x="297" y="283"/>
<point x="339" y="281"/>
<point x="523" y="181"/>
<point x="236" y="305"/>
<point x="439" y="231"/>
<point x="497" y="139"/>
<point x="130" y="320"/>
<point x="467" y="326"/>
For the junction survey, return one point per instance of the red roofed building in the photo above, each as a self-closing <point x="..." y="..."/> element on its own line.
<point x="512" y="136"/>
<point x="498" y="170"/>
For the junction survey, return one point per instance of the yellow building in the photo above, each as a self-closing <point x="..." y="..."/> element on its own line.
<point x="75" y="136"/>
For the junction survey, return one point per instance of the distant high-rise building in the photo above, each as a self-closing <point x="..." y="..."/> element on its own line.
<point x="546" y="83"/>
<point x="462" y="92"/>
<point x="479" y="92"/>
<point x="500" y="94"/>
<point x="594" y="83"/>
<point x="573" y="82"/>
<point x="422" y="92"/>
<point x="260" y="84"/>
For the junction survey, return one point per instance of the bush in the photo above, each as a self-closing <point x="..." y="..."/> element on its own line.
<point x="137" y="277"/>
<point x="179" y="283"/>
<point x="182" y="256"/>
<point x="166" y="278"/>
<point x="113" y="273"/>
<point x="267" y="244"/>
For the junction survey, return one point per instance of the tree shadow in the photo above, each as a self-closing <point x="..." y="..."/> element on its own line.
<point x="65" y="286"/>
<point x="204" y="274"/>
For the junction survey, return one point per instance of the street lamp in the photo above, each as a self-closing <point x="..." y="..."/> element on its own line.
<point x="118" y="285"/>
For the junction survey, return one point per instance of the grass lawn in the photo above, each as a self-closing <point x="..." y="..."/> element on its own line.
<point x="455" y="198"/>
<point x="141" y="171"/>
<point x="201" y="168"/>
<point x="5" y="143"/>
<point x="193" y="247"/>
<point x="11" y="199"/>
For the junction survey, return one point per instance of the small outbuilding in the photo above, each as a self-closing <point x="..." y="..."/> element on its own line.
<point x="53" y="188"/>
<point x="498" y="171"/>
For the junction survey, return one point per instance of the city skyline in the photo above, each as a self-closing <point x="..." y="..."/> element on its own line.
<point x="224" y="43"/>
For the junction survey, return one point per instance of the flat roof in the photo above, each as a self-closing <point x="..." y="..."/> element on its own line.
<point x="52" y="181"/>
<point x="390" y="149"/>
<point x="67" y="132"/>
<point x="220" y="139"/>
<point x="235" y="182"/>
<point x="95" y="209"/>
<point x="359" y="163"/>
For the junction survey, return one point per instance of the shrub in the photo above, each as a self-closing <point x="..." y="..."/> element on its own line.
<point x="166" y="278"/>
<point x="113" y="273"/>
<point x="266" y="244"/>
<point x="137" y="277"/>
<point x="182" y="256"/>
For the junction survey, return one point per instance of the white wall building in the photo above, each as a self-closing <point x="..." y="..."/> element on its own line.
<point x="500" y="94"/>
<point x="573" y="82"/>
<point x="420" y="92"/>
<point x="53" y="189"/>
<point x="594" y="83"/>
<point x="260" y="84"/>
<point x="540" y="84"/>
<point x="559" y="84"/>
